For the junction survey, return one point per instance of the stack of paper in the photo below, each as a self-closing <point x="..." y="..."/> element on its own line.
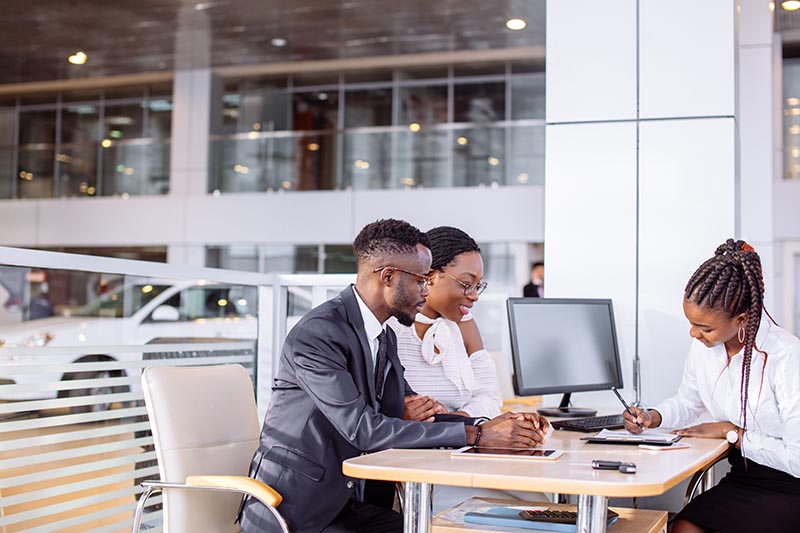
<point x="660" y="436"/>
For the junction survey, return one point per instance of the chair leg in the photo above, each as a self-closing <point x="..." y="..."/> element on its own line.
<point x="137" y="517"/>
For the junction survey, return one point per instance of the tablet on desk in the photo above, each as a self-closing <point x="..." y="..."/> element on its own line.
<point x="650" y="437"/>
<point x="507" y="453"/>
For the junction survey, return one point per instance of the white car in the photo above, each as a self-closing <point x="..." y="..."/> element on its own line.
<point x="132" y="314"/>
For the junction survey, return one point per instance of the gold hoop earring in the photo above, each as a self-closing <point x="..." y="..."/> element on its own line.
<point x="740" y="334"/>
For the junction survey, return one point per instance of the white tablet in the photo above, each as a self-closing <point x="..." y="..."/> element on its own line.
<point x="507" y="453"/>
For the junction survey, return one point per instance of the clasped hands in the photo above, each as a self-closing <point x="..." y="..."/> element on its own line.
<point x="652" y="419"/>
<point x="509" y="430"/>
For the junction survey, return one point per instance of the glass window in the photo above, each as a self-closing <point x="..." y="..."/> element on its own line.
<point x="37" y="127"/>
<point x="479" y="103"/>
<point x="423" y="105"/>
<point x="791" y="120"/>
<point x="422" y="159"/>
<point x="80" y="124"/>
<point x="123" y="301"/>
<point x="527" y="97"/>
<point x="77" y="170"/>
<point x="124" y="121"/>
<point x="368" y="107"/>
<point x="339" y="259"/>
<point x="315" y="110"/>
<point x="306" y="259"/>
<point x="209" y="302"/>
<point x="234" y="257"/>
<point x="264" y="110"/>
<point x="159" y="120"/>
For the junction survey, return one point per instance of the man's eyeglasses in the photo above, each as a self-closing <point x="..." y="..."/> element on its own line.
<point x="424" y="279"/>
<point x="469" y="288"/>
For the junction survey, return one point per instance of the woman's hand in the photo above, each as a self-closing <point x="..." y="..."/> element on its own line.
<point x="471" y="336"/>
<point x="644" y="419"/>
<point x="709" y="430"/>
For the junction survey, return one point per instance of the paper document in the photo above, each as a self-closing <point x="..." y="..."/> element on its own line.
<point x="649" y="435"/>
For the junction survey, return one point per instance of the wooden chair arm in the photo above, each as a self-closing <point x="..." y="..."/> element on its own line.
<point x="250" y="486"/>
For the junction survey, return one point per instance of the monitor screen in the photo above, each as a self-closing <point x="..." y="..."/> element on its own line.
<point x="563" y="345"/>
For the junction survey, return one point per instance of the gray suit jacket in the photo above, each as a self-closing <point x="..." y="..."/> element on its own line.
<point x="323" y="410"/>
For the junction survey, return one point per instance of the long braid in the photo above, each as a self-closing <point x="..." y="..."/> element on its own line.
<point x="732" y="281"/>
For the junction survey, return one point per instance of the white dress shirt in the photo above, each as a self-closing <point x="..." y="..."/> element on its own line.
<point x="372" y="327"/>
<point x="712" y="385"/>
<point x="458" y="381"/>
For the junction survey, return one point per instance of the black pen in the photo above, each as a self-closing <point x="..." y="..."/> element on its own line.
<point x="627" y="407"/>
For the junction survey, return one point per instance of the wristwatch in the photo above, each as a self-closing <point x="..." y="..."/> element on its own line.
<point x="732" y="436"/>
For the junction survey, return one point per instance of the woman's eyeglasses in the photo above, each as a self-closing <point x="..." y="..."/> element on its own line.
<point x="469" y="288"/>
<point x="424" y="279"/>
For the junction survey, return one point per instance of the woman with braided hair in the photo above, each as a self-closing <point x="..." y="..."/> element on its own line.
<point x="743" y="371"/>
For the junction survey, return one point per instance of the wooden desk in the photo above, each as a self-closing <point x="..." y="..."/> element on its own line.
<point x="657" y="472"/>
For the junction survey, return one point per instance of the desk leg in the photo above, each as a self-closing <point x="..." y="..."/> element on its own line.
<point x="417" y="508"/>
<point x="592" y="514"/>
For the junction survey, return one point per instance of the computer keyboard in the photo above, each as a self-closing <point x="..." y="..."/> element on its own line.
<point x="557" y="517"/>
<point x="590" y="423"/>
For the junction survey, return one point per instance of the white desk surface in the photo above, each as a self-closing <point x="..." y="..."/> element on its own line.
<point x="657" y="471"/>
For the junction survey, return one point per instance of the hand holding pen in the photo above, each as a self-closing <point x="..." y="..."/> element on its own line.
<point x="635" y="421"/>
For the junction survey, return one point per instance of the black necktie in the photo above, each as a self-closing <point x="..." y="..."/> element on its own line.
<point x="381" y="360"/>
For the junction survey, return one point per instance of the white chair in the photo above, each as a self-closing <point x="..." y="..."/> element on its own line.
<point x="205" y="429"/>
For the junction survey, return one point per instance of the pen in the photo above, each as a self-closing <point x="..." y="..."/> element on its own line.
<point x="627" y="407"/>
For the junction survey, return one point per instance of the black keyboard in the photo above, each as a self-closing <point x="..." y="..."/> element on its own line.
<point x="558" y="517"/>
<point x="589" y="423"/>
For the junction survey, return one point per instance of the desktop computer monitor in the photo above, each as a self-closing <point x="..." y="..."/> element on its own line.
<point x="561" y="345"/>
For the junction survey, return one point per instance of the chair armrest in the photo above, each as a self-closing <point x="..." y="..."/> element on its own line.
<point x="250" y="486"/>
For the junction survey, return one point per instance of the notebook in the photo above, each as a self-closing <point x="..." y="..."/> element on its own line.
<point x="653" y="437"/>
<point x="509" y="517"/>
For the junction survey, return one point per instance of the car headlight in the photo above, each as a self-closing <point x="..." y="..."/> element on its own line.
<point x="38" y="340"/>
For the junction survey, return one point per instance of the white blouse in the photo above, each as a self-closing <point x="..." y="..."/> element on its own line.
<point x="460" y="382"/>
<point x="773" y="405"/>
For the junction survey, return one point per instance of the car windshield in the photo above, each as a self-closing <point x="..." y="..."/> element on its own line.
<point x="122" y="301"/>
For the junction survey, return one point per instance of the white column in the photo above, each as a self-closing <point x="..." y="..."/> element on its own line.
<point x="642" y="180"/>
<point x="757" y="120"/>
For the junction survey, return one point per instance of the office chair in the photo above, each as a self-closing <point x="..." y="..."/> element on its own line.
<point x="205" y="430"/>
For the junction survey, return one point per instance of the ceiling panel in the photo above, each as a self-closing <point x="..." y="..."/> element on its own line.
<point x="134" y="36"/>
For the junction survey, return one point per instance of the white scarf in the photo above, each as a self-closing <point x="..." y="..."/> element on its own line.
<point x="443" y="336"/>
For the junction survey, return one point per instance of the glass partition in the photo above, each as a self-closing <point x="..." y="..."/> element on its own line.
<point x="73" y="343"/>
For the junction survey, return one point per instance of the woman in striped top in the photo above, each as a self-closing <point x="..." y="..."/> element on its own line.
<point x="442" y="353"/>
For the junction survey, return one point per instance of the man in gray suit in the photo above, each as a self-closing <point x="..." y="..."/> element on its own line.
<point x="340" y="391"/>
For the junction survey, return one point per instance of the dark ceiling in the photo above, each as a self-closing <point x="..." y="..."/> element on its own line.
<point x="134" y="36"/>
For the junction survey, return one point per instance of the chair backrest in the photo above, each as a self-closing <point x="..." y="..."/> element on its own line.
<point x="204" y="421"/>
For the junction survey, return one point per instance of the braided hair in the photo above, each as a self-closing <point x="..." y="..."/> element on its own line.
<point x="446" y="243"/>
<point x="732" y="282"/>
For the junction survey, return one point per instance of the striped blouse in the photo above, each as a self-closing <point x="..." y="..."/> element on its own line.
<point x="470" y="382"/>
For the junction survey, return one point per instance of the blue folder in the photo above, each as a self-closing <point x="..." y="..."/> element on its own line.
<point x="508" y="517"/>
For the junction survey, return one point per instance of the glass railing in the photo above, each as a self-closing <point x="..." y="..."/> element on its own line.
<point x="133" y="167"/>
<point x="385" y="157"/>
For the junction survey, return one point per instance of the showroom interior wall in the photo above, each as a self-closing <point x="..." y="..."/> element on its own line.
<point x="668" y="155"/>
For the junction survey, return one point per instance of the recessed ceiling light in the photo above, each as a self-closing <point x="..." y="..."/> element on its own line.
<point x="201" y="7"/>
<point x="278" y="42"/>
<point x="516" y="24"/>
<point x="78" y="58"/>
<point x="791" y="5"/>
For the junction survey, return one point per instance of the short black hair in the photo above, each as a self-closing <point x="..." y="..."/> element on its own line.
<point x="537" y="264"/>
<point x="386" y="237"/>
<point x="446" y="242"/>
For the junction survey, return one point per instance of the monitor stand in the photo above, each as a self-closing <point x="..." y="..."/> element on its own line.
<point x="564" y="410"/>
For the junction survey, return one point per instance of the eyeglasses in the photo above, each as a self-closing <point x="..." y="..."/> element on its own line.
<point x="469" y="288"/>
<point x="424" y="279"/>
